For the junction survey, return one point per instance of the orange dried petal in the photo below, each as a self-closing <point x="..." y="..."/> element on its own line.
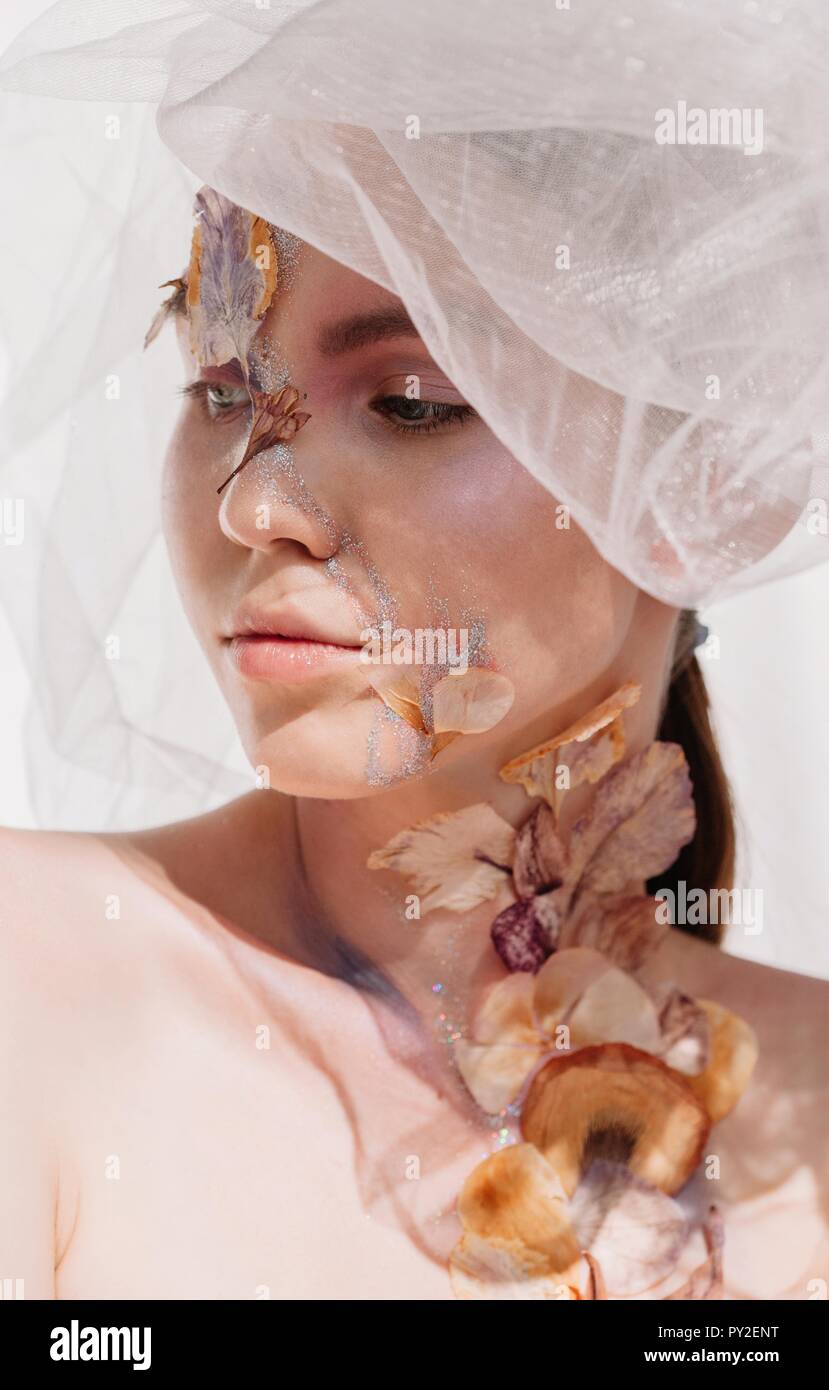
<point x="399" y="693"/>
<point x="535" y="770"/>
<point x="262" y="238"/>
<point x="733" y="1052"/>
<point x="515" y="1195"/>
<point x="615" y="1101"/>
<point x="471" y="702"/>
<point x="482" y="1270"/>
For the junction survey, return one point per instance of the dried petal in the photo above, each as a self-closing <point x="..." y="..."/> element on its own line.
<point x="515" y="1195"/>
<point x="503" y="1044"/>
<point x="540" y="857"/>
<point x="230" y="281"/>
<point x="505" y="1014"/>
<point x="624" y="928"/>
<point x="639" y="820"/>
<point x="275" y="419"/>
<point x="706" y="1282"/>
<point x="615" y="1101"/>
<point x="590" y="761"/>
<point x="518" y="936"/>
<point x="633" y="1229"/>
<point x="550" y="910"/>
<point x="455" y="860"/>
<point x="399" y="693"/>
<point x="560" y="984"/>
<point x="471" y="702"/>
<point x="733" y="1051"/>
<point x="598" y="1288"/>
<point x="484" y="1270"/>
<point x="495" y="1073"/>
<point x="684" y="1028"/>
<point x="536" y="769"/>
<point x="614" y="1008"/>
<point x="262" y="251"/>
<point x="168" y="306"/>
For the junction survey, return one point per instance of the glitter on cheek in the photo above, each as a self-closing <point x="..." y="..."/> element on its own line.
<point x="337" y="573"/>
<point x="440" y="616"/>
<point x="396" y="751"/>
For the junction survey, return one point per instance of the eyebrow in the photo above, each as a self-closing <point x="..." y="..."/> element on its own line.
<point x="348" y="334"/>
<point x="361" y="330"/>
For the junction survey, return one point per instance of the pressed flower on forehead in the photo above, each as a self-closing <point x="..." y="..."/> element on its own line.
<point x="231" y="280"/>
<point x="229" y="286"/>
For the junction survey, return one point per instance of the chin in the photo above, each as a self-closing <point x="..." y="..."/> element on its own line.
<point x="337" y="754"/>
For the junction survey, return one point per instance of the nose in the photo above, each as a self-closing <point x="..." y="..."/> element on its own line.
<point x="269" y="501"/>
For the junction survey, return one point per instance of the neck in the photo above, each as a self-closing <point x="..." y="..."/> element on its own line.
<point x="358" y="923"/>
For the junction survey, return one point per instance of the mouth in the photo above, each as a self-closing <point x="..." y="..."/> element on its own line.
<point x="287" y="647"/>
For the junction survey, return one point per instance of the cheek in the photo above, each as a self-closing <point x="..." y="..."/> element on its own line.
<point x="189" y="512"/>
<point x="485" y="541"/>
<point x="566" y="612"/>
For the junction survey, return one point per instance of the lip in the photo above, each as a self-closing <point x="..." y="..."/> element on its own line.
<point x="288" y="646"/>
<point x="269" y="658"/>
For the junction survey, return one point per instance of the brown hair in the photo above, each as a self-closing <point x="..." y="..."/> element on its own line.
<point x="707" y="861"/>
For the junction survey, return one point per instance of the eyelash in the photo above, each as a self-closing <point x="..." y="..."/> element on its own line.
<point x="442" y="412"/>
<point x="199" y="390"/>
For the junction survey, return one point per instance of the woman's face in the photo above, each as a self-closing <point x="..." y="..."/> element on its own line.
<point x="394" y="502"/>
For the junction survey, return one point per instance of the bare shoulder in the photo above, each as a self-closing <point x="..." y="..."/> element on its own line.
<point x="767" y="995"/>
<point x="83" y="927"/>
<point x="55" y="884"/>
<point x="88" y="917"/>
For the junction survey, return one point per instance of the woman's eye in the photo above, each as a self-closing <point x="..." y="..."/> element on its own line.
<point x="218" y="397"/>
<point x="415" y="416"/>
<point x="225" y="397"/>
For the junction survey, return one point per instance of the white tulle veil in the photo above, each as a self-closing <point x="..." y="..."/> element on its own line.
<point x="553" y="192"/>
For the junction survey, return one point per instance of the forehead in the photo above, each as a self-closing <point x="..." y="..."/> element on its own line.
<point x="319" y="290"/>
<point x="249" y="282"/>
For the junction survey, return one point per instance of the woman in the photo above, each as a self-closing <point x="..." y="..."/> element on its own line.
<point x="255" y="1061"/>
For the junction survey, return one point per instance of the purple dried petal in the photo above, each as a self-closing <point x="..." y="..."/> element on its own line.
<point x="540" y="857"/>
<point x="519" y="937"/>
<point x="641" y="817"/>
<point x="551" y="911"/>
